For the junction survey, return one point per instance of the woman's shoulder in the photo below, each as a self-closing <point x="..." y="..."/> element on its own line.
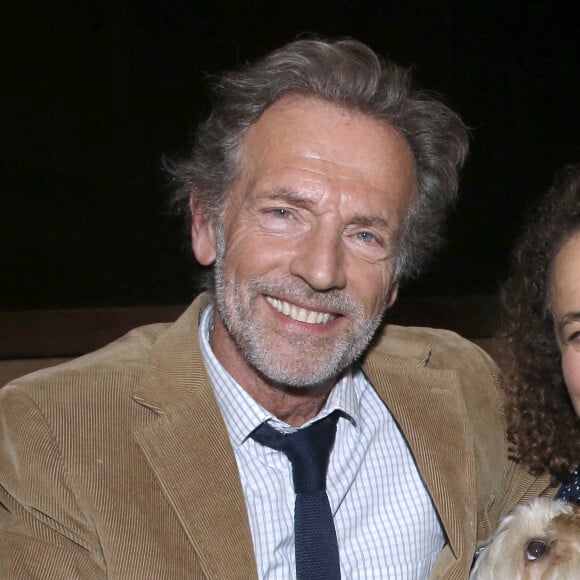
<point x="570" y="490"/>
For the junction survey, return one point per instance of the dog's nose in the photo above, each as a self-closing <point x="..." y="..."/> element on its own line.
<point x="536" y="549"/>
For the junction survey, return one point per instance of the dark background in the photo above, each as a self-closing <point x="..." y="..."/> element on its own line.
<point x="94" y="92"/>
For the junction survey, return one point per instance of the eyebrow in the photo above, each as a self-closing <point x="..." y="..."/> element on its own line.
<point x="300" y="200"/>
<point x="290" y="196"/>
<point x="372" y="221"/>
<point x="572" y="316"/>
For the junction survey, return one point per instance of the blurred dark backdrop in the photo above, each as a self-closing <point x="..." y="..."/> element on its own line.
<point x="94" y="92"/>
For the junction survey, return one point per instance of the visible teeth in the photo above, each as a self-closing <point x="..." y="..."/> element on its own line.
<point x="312" y="317"/>
<point x="300" y="314"/>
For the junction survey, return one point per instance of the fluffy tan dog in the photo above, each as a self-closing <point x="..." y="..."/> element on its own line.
<point x="538" y="541"/>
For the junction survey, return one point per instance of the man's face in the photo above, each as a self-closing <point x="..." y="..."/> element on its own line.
<point x="305" y="259"/>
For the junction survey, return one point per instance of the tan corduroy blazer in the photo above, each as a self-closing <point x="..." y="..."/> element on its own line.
<point x="118" y="465"/>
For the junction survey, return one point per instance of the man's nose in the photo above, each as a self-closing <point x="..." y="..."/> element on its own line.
<point x="320" y="260"/>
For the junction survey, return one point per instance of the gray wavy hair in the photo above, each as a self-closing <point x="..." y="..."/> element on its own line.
<point x="349" y="74"/>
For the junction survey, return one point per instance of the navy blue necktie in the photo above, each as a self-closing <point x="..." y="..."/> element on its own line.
<point x="309" y="450"/>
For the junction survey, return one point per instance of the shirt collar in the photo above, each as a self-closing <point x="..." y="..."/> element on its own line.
<point x="242" y="414"/>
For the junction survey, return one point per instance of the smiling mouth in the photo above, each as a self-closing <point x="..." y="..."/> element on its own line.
<point x="300" y="314"/>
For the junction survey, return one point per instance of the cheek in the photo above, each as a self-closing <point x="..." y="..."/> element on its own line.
<point x="571" y="372"/>
<point x="247" y="250"/>
<point x="371" y="285"/>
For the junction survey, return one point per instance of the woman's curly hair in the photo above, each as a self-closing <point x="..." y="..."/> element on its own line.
<point x="543" y="428"/>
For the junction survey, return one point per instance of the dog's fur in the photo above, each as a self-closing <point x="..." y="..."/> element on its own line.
<point x="513" y="553"/>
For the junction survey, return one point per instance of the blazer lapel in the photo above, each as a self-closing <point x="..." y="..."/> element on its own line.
<point x="189" y="451"/>
<point x="427" y="404"/>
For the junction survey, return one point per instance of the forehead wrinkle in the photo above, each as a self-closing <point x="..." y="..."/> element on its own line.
<point x="366" y="172"/>
<point x="316" y="177"/>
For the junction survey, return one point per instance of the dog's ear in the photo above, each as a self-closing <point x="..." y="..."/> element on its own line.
<point x="562" y="559"/>
<point x="567" y="528"/>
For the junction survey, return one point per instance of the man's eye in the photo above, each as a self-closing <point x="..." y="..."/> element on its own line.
<point x="366" y="237"/>
<point x="281" y="213"/>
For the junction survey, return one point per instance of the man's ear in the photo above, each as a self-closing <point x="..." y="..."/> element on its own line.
<point x="202" y="236"/>
<point x="392" y="294"/>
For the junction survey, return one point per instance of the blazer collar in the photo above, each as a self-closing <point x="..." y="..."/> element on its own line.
<point x="427" y="404"/>
<point x="188" y="449"/>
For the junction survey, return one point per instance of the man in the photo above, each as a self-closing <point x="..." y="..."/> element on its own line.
<point x="319" y="181"/>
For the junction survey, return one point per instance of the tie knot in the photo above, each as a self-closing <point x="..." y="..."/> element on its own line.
<point x="308" y="450"/>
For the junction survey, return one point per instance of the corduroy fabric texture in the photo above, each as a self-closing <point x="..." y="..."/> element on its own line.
<point x="117" y="465"/>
